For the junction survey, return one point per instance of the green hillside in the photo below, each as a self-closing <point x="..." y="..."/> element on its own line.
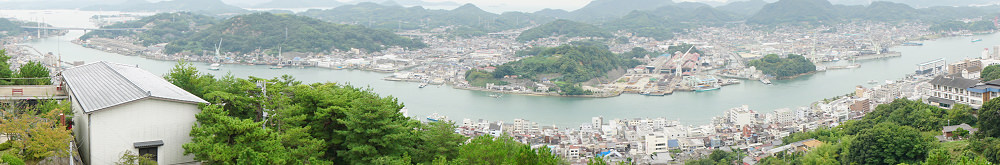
<point x="409" y="18"/>
<point x="163" y="28"/>
<point x="248" y="33"/>
<point x="563" y="28"/>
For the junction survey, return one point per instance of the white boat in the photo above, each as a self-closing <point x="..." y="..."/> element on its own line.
<point x="436" y="117"/>
<point x="422" y="85"/>
<point x="496" y="95"/>
<point x="214" y="66"/>
<point x="279" y="66"/>
<point x="872" y="82"/>
<point x="765" y="81"/>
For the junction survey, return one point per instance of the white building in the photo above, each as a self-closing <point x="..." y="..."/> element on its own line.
<point x="947" y="91"/>
<point x="119" y="108"/>
<point x="656" y="143"/>
<point x="784" y="116"/>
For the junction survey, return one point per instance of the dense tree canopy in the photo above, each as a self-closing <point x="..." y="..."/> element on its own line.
<point x="467" y="20"/>
<point x="282" y="121"/>
<point x="565" y="28"/>
<point x="990" y="73"/>
<point x="253" y="32"/>
<point x="163" y="28"/>
<point x="36" y="71"/>
<point x="989" y="119"/>
<point x="787" y="67"/>
<point x="574" y="63"/>
<point x="889" y="143"/>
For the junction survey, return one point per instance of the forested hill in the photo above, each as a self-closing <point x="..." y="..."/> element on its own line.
<point x="9" y="27"/>
<point x="821" y="11"/>
<point x="793" y="11"/>
<point x="262" y="31"/>
<point x="163" y="28"/>
<point x="467" y="17"/>
<point x="565" y="28"/>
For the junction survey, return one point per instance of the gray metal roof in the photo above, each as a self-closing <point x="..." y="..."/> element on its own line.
<point x="954" y="82"/>
<point x="102" y="84"/>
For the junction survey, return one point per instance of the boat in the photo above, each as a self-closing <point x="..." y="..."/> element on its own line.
<point x="872" y="82"/>
<point x="977" y="40"/>
<point x="496" y="95"/>
<point x="214" y="66"/>
<point x="706" y="88"/>
<point x="913" y="44"/>
<point x="279" y="66"/>
<point x="765" y="81"/>
<point x="435" y="117"/>
<point x="422" y="85"/>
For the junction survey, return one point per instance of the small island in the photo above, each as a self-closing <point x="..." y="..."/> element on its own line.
<point x="784" y="68"/>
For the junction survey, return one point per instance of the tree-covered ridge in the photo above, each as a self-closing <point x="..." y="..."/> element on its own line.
<point x="10" y="27"/>
<point x="821" y="11"/>
<point x="787" y="67"/>
<point x="894" y="134"/>
<point x="645" y="24"/>
<point x="574" y="63"/>
<point x="467" y="17"/>
<point x="793" y="11"/>
<point x="163" y="28"/>
<point x="565" y="28"/>
<point x="287" y="122"/>
<point x="253" y="32"/>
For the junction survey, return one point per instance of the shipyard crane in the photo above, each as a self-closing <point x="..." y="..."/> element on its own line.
<point x="678" y="63"/>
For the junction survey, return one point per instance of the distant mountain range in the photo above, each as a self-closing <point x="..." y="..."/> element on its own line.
<point x="822" y="11"/>
<point x="468" y="16"/>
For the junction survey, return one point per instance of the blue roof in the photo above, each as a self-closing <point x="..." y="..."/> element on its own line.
<point x="604" y="153"/>
<point x="665" y="55"/>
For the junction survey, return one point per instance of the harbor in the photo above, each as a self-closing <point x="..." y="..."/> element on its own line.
<point x="688" y="107"/>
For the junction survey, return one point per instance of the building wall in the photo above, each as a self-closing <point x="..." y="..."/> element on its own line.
<point x="80" y="129"/>
<point x="115" y="130"/>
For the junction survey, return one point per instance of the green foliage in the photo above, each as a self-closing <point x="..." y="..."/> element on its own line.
<point x="11" y="160"/>
<point x="439" y="140"/>
<point x="5" y="71"/>
<point x="938" y="157"/>
<point x="10" y="27"/>
<point x="565" y="28"/>
<point x="826" y="154"/>
<point x="990" y="73"/>
<point x="989" y="119"/>
<point x="503" y="150"/>
<point x="824" y="134"/>
<point x="794" y="11"/>
<point x="33" y="70"/>
<point x="5" y="145"/>
<point x="163" y="28"/>
<point x="222" y="139"/>
<point x="645" y="24"/>
<point x="481" y="78"/>
<point x="575" y="63"/>
<point x="572" y="89"/>
<point x="131" y="158"/>
<point x="263" y="31"/>
<point x="984" y="25"/>
<point x="638" y="52"/>
<point x="787" y="67"/>
<point x="186" y="76"/>
<point x="467" y="20"/>
<point x="889" y="143"/>
<point x="909" y="113"/>
<point x="988" y="147"/>
<point x="34" y="136"/>
<point x="716" y="157"/>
